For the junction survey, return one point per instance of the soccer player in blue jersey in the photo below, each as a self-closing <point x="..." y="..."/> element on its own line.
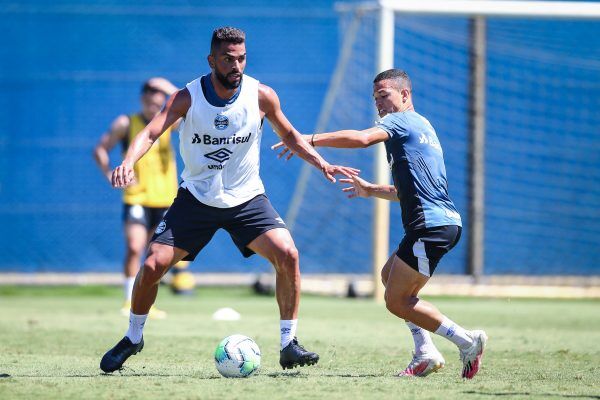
<point x="431" y="222"/>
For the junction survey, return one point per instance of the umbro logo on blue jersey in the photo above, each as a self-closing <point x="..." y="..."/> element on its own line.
<point x="220" y="155"/>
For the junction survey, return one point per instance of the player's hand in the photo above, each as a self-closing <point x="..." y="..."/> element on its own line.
<point x="359" y="188"/>
<point x="331" y="170"/>
<point x="123" y="175"/>
<point x="285" y="150"/>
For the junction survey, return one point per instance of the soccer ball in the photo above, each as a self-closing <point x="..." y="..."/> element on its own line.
<point x="237" y="356"/>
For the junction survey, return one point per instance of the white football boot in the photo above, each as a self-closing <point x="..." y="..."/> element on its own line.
<point x="424" y="364"/>
<point x="471" y="357"/>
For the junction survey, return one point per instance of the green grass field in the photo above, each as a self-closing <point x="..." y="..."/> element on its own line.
<point x="52" y="339"/>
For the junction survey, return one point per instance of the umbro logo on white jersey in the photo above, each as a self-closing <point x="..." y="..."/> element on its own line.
<point x="220" y="155"/>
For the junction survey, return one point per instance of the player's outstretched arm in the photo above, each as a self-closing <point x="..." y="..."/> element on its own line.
<point x="116" y="133"/>
<point x="347" y="139"/>
<point x="270" y="106"/>
<point x="176" y="107"/>
<point x="362" y="188"/>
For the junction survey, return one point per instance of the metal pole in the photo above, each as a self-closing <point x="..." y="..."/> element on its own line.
<point x="381" y="214"/>
<point x="477" y="149"/>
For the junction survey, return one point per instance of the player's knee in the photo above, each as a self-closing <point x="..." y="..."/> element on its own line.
<point x="288" y="259"/>
<point x="398" y="306"/>
<point x="152" y="271"/>
<point x="291" y="255"/>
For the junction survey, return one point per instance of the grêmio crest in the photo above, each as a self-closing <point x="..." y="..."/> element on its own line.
<point x="221" y="122"/>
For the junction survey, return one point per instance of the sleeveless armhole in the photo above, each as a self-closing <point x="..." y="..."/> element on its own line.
<point x="192" y="88"/>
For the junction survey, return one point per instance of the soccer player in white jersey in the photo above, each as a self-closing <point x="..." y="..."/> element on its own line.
<point x="432" y="225"/>
<point x="223" y="114"/>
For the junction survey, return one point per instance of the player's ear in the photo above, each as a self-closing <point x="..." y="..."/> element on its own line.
<point x="211" y="61"/>
<point x="405" y="94"/>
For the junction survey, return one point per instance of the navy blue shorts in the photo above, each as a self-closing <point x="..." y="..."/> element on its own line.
<point x="150" y="217"/>
<point x="190" y="224"/>
<point x="424" y="248"/>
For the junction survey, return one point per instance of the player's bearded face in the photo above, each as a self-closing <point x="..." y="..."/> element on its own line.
<point x="231" y="80"/>
<point x="229" y="65"/>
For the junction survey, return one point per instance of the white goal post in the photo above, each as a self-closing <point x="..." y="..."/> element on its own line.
<point x="386" y="12"/>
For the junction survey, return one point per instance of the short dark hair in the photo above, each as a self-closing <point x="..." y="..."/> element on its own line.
<point x="226" y="34"/>
<point x="147" y="88"/>
<point x="397" y="75"/>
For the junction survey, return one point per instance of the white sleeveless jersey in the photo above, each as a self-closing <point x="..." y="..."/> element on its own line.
<point x="220" y="147"/>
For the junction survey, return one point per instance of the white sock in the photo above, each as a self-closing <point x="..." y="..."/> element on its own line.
<point x="128" y="287"/>
<point x="287" y="327"/>
<point x="422" y="339"/>
<point x="136" y="327"/>
<point x="455" y="333"/>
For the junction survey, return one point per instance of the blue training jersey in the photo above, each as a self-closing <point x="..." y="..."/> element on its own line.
<point x="416" y="160"/>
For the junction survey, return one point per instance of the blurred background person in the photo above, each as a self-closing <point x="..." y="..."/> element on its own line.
<point x="145" y="202"/>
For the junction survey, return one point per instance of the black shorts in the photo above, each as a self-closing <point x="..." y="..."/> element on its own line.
<point x="190" y="224"/>
<point x="424" y="248"/>
<point x="147" y="216"/>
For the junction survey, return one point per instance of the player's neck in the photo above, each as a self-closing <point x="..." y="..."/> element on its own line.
<point x="220" y="90"/>
<point x="408" y="106"/>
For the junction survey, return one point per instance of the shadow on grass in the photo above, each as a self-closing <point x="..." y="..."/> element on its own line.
<point x="298" y="374"/>
<point x="283" y="374"/>
<point x="49" y="376"/>
<point x="150" y="374"/>
<point x="545" y="395"/>
<point x="355" y="375"/>
<point x="134" y="374"/>
<point x="125" y="374"/>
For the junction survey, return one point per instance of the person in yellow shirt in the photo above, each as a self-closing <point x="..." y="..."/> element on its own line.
<point x="145" y="202"/>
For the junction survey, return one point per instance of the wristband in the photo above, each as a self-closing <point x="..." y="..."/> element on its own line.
<point x="312" y="140"/>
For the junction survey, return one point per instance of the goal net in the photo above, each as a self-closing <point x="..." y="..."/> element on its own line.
<point x="540" y="202"/>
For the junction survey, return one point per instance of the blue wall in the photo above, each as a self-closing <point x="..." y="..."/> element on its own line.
<point x="69" y="68"/>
